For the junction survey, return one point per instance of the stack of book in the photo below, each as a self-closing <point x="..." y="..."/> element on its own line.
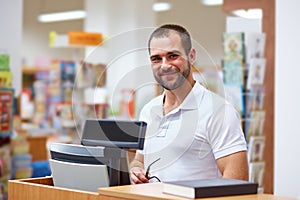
<point x="5" y="169"/>
<point x="21" y="159"/>
<point x="255" y="115"/>
<point x="6" y="121"/>
<point x="233" y="69"/>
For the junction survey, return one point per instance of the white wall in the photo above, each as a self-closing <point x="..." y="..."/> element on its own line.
<point x="287" y="99"/>
<point x="11" y="36"/>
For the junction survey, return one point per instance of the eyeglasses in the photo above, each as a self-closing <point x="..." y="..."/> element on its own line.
<point x="153" y="178"/>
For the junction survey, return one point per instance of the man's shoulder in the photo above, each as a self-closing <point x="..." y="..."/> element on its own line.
<point x="154" y="104"/>
<point x="210" y="97"/>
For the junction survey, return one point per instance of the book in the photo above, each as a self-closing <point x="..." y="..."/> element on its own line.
<point x="21" y="161"/>
<point x="256" y="172"/>
<point x="209" y="187"/>
<point x="255" y="124"/>
<point x="259" y="91"/>
<point x="234" y="46"/>
<point x="5" y="79"/>
<point x="5" y="160"/>
<point x="250" y="104"/>
<point x="62" y="115"/>
<point x="68" y="70"/>
<point x="68" y="73"/>
<point x="4" y="62"/>
<point x="256" y="72"/>
<point x="5" y="167"/>
<point x="255" y="99"/>
<point x="256" y="148"/>
<point x="233" y="72"/>
<point x="255" y="45"/>
<point x="91" y="75"/>
<point x="6" y="111"/>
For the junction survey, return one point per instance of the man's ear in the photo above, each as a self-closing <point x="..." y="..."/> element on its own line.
<point x="192" y="55"/>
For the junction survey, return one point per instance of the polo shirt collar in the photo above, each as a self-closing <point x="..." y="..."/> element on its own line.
<point x="194" y="98"/>
<point x="191" y="102"/>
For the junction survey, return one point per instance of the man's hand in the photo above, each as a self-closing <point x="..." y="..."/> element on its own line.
<point x="137" y="175"/>
<point x="137" y="172"/>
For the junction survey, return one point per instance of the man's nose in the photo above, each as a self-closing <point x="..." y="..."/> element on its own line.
<point x="165" y="65"/>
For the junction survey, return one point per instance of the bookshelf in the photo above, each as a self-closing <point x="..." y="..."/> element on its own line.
<point x="65" y="100"/>
<point x="268" y="27"/>
<point x="6" y="121"/>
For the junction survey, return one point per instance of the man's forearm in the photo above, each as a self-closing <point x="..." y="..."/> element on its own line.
<point x="136" y="163"/>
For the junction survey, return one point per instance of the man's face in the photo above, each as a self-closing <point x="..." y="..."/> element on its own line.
<point x="170" y="64"/>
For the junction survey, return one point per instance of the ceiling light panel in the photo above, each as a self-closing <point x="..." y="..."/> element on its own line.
<point x="62" y="16"/>
<point x="161" y="6"/>
<point x="212" y="2"/>
<point x="249" y="14"/>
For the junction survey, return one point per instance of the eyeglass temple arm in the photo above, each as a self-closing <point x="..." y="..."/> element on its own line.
<point x="148" y="168"/>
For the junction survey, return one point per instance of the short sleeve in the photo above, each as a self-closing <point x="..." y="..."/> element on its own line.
<point x="225" y="133"/>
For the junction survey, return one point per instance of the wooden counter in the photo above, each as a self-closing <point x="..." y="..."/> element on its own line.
<point x="42" y="188"/>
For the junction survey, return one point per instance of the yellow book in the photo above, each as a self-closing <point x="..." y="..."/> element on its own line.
<point x="5" y="79"/>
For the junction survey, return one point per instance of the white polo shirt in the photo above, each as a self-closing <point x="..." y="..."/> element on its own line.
<point x="190" y="138"/>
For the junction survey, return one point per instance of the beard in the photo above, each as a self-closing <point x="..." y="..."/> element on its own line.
<point x="181" y="77"/>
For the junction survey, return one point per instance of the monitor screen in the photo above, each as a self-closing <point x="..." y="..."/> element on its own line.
<point x="114" y="133"/>
<point x="114" y="158"/>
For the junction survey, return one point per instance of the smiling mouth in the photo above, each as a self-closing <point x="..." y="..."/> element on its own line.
<point x="168" y="74"/>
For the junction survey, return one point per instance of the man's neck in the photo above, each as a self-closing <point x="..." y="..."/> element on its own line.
<point x="173" y="98"/>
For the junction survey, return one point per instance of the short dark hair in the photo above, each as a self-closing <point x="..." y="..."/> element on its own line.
<point x="164" y="30"/>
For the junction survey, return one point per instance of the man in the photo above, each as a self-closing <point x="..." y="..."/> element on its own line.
<point x="192" y="133"/>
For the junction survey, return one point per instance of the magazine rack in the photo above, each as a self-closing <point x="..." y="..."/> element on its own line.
<point x="268" y="27"/>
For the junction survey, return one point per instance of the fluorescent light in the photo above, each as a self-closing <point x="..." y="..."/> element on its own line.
<point x="161" y="6"/>
<point x="212" y="2"/>
<point x="62" y="16"/>
<point x="250" y="14"/>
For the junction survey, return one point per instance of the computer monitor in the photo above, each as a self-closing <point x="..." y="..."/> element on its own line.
<point x="114" y="133"/>
<point x="114" y="158"/>
<point x="88" y="177"/>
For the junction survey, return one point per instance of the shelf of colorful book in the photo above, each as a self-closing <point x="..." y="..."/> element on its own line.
<point x="100" y="111"/>
<point x="6" y="121"/>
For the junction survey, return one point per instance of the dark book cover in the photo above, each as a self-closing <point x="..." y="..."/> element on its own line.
<point x="210" y="187"/>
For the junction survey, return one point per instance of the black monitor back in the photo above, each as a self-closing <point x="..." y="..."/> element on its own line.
<point x="114" y="133"/>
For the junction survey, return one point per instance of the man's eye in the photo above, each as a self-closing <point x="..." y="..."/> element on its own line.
<point x="155" y="59"/>
<point x="173" y="56"/>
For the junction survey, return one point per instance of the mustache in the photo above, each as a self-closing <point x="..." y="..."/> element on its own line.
<point x="168" y="71"/>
